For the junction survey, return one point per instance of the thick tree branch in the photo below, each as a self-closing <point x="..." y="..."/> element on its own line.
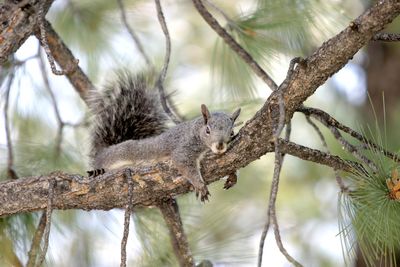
<point x="156" y="182"/>
<point x="17" y="23"/>
<point x="159" y="181"/>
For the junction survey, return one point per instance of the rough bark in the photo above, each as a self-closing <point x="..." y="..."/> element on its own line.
<point x="17" y="23"/>
<point x="161" y="180"/>
<point x="152" y="184"/>
<point x="170" y="211"/>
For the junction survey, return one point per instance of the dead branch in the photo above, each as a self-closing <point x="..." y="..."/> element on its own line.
<point x="170" y="211"/>
<point x="18" y="21"/>
<point x="43" y="40"/>
<point x="386" y="37"/>
<point x="127" y="217"/>
<point x="11" y="173"/>
<point x="46" y="83"/>
<point x="161" y="78"/>
<point x="327" y="119"/>
<point x="339" y="179"/>
<point x="36" y="240"/>
<point x="65" y="59"/>
<point x="133" y="35"/>
<point x="110" y="190"/>
<point x="279" y="156"/>
<point x="49" y="211"/>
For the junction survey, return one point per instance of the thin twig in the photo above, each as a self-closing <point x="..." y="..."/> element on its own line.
<point x="386" y="37"/>
<point x="36" y="240"/>
<point x="172" y="217"/>
<point x="43" y="38"/>
<point x="65" y="60"/>
<point x="235" y="46"/>
<point x="219" y="10"/>
<point x="333" y="126"/>
<point x="271" y="214"/>
<point x="10" y="157"/>
<point x="339" y="179"/>
<point x="127" y="217"/>
<point x="352" y="149"/>
<point x="60" y="122"/>
<point x="133" y="35"/>
<point x="49" y="211"/>
<point x="279" y="240"/>
<point x="327" y="119"/>
<point x="161" y="78"/>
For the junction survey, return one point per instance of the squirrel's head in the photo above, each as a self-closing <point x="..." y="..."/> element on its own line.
<point x="217" y="129"/>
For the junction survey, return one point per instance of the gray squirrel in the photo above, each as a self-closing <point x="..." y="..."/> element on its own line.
<point x="130" y="126"/>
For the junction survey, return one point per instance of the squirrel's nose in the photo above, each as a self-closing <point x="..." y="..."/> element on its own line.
<point x="220" y="146"/>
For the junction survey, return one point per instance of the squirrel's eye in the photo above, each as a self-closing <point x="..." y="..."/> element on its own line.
<point x="232" y="134"/>
<point x="208" y="130"/>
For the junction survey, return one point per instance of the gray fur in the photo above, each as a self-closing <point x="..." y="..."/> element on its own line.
<point x="185" y="143"/>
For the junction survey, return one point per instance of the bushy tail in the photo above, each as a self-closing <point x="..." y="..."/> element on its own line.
<point x="126" y="110"/>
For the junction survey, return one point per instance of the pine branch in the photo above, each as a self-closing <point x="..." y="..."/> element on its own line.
<point x="172" y="218"/>
<point x="127" y="217"/>
<point x="133" y="35"/>
<point x="57" y="113"/>
<point x="18" y="21"/>
<point x="161" y="79"/>
<point x="235" y="46"/>
<point x="151" y="184"/>
<point x="386" y="37"/>
<point x="37" y="239"/>
<point x="11" y="173"/>
<point x="65" y="59"/>
<point x="43" y="40"/>
<point x="279" y="156"/>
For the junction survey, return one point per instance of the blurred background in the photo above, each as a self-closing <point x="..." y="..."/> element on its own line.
<point x="202" y="70"/>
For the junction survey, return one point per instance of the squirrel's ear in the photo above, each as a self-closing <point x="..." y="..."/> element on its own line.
<point x="235" y="114"/>
<point x="205" y="112"/>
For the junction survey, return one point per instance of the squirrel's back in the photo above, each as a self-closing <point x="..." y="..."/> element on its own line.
<point x="126" y="110"/>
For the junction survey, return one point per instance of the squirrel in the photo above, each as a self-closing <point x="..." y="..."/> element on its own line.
<point x="130" y="126"/>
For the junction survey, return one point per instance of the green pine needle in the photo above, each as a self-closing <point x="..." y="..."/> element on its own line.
<point x="369" y="217"/>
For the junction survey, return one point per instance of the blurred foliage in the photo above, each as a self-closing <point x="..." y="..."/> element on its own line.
<point x="227" y="229"/>
<point x="271" y="29"/>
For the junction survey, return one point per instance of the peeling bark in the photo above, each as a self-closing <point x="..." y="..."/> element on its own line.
<point x="161" y="180"/>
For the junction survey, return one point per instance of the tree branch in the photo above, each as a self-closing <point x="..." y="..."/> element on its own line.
<point x="386" y="37"/>
<point x="133" y="35"/>
<point x="17" y="23"/>
<point x="172" y="217"/>
<point x="235" y="46"/>
<point x="65" y="59"/>
<point x="161" y="180"/>
<point x="10" y="155"/>
<point x="164" y="99"/>
<point x="36" y="240"/>
<point x="151" y="183"/>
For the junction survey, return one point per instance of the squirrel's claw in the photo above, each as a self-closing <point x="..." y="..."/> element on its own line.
<point x="203" y="193"/>
<point x="94" y="173"/>
<point x="231" y="181"/>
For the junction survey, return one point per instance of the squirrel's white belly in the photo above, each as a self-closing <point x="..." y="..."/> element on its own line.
<point x="121" y="164"/>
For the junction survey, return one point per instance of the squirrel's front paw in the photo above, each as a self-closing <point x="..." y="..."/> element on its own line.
<point x="202" y="191"/>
